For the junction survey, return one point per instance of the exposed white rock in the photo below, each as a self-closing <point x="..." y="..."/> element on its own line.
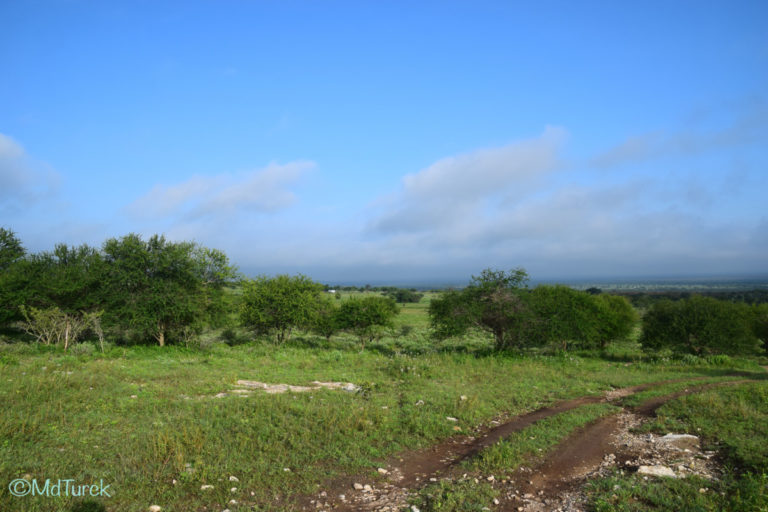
<point x="282" y="388"/>
<point x="656" y="471"/>
<point x="679" y="441"/>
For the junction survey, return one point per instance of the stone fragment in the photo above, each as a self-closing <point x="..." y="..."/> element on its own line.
<point x="656" y="471"/>
<point x="679" y="441"/>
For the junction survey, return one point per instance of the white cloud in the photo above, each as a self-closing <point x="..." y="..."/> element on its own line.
<point x="22" y="179"/>
<point x="751" y="128"/>
<point x="259" y="190"/>
<point x="458" y="187"/>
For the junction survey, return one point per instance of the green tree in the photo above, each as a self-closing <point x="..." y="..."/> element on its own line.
<point x="11" y="249"/>
<point x="616" y="318"/>
<point x="13" y="277"/>
<point x="216" y="274"/>
<point x="68" y="278"/>
<point x="402" y="295"/>
<point x="365" y="316"/>
<point x="154" y="287"/>
<point x="279" y="304"/>
<point x="325" y="317"/>
<point x="760" y="323"/>
<point x="565" y="316"/>
<point x="700" y="325"/>
<point x="494" y="301"/>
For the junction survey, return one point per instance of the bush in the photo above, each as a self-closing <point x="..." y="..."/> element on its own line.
<point x="566" y="315"/>
<point x="616" y="318"/>
<point x="402" y="295"/>
<point x="325" y="317"/>
<point x="366" y="316"/>
<point x="493" y="302"/>
<point x="280" y="304"/>
<point x="700" y="325"/>
<point x="82" y="349"/>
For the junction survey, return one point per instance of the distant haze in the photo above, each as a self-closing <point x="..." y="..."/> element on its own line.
<point x="395" y="143"/>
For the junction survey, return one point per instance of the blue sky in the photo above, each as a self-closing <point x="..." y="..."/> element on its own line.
<point x="394" y="141"/>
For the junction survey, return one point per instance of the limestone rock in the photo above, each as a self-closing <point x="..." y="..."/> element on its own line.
<point x="656" y="471"/>
<point x="679" y="441"/>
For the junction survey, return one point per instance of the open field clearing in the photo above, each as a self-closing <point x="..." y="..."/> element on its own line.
<point x="147" y="421"/>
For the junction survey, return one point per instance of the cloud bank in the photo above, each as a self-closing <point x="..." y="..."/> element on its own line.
<point x="22" y="179"/>
<point x="261" y="190"/>
<point x="457" y="189"/>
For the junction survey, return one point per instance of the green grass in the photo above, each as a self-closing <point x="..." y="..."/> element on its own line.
<point x="68" y="416"/>
<point x="503" y="458"/>
<point x="622" y="493"/>
<point x="733" y="420"/>
<point x="671" y="388"/>
<point x="456" y="496"/>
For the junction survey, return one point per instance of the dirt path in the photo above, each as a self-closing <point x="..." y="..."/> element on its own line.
<point x="552" y="484"/>
<point x="415" y="469"/>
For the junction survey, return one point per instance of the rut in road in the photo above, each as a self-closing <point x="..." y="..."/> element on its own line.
<point x="415" y="469"/>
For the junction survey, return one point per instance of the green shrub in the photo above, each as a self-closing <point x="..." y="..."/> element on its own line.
<point x="82" y="349"/>
<point x="700" y="325"/>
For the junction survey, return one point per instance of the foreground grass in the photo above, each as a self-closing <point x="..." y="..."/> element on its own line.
<point x="734" y="421"/>
<point x="140" y="418"/>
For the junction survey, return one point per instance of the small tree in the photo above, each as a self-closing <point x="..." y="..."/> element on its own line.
<point x="494" y="301"/>
<point x="153" y="288"/>
<point x="365" y="316"/>
<point x="11" y="249"/>
<point x="402" y="295"/>
<point x="279" y="304"/>
<point x="700" y="325"/>
<point x="52" y="326"/>
<point x="616" y="318"/>
<point x="94" y="321"/>
<point x="566" y="315"/>
<point x="325" y="317"/>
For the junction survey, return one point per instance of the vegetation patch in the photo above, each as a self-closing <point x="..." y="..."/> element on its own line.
<point x="731" y="420"/>
<point x="523" y="447"/>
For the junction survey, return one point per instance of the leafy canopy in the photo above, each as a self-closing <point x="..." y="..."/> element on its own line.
<point x="492" y="302"/>
<point x="364" y="316"/>
<point x="279" y="304"/>
<point x="700" y="325"/>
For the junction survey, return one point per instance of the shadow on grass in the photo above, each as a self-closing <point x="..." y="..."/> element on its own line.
<point x="88" y="506"/>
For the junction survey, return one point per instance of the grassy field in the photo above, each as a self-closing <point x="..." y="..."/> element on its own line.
<point x="145" y="420"/>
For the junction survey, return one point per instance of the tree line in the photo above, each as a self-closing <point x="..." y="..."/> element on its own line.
<point x="501" y="304"/>
<point x="155" y="290"/>
<point x="135" y="289"/>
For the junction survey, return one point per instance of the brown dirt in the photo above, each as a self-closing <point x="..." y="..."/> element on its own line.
<point x="581" y="455"/>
